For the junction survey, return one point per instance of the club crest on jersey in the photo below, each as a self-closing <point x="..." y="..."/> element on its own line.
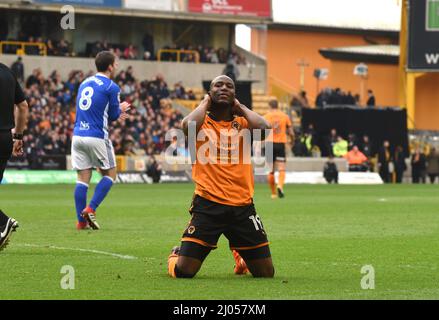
<point x="191" y="229"/>
<point x="236" y="125"/>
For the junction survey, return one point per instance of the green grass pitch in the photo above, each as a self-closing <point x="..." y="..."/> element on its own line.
<point x="321" y="237"/>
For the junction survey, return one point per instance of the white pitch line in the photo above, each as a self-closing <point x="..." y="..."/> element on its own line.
<point x="120" y="256"/>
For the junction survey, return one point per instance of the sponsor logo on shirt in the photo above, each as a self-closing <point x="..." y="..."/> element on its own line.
<point x="84" y="126"/>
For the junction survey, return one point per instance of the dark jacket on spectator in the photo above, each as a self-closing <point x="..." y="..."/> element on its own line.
<point x="419" y="166"/>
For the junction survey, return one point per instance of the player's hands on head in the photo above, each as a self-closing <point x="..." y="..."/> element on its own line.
<point x="207" y="100"/>
<point x="237" y="109"/>
<point x="17" y="150"/>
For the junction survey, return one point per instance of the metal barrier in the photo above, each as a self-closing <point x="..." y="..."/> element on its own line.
<point x="21" y="47"/>
<point x="179" y="53"/>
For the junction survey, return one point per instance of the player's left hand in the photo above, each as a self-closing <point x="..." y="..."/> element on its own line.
<point x="123" y="116"/>
<point x="237" y="109"/>
<point x="125" y="106"/>
<point x="17" y="150"/>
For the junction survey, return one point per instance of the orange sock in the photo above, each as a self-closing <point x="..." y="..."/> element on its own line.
<point x="281" y="179"/>
<point x="172" y="261"/>
<point x="271" y="182"/>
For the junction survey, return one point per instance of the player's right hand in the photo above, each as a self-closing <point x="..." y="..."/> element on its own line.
<point x="207" y="101"/>
<point x="17" y="150"/>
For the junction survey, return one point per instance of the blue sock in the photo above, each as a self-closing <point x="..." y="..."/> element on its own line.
<point x="80" y="199"/>
<point x="101" y="192"/>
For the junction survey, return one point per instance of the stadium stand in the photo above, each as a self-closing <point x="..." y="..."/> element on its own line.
<point x="52" y="105"/>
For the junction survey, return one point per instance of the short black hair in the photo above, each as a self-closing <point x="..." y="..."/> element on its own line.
<point x="103" y="60"/>
<point x="219" y="77"/>
<point x="273" y="104"/>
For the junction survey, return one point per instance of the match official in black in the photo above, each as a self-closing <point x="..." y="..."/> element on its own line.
<point x="13" y="115"/>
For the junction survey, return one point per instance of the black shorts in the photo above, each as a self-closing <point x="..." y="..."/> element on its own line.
<point x="278" y="152"/>
<point x="240" y="225"/>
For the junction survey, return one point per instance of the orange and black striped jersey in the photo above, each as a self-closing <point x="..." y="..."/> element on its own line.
<point x="279" y="122"/>
<point x="223" y="172"/>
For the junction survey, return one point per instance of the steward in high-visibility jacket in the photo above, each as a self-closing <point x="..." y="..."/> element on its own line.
<point x="340" y="147"/>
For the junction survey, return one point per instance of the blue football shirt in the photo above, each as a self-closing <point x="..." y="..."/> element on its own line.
<point x="97" y="104"/>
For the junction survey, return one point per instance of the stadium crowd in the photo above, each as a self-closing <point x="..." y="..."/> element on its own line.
<point x="128" y="51"/>
<point x="52" y="113"/>
<point x="363" y="154"/>
<point x="205" y="54"/>
<point x="330" y="96"/>
<point x="54" y="47"/>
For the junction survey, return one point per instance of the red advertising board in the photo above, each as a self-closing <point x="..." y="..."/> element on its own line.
<point x="256" y="8"/>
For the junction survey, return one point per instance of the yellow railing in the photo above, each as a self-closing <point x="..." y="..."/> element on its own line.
<point x="21" y="46"/>
<point x="189" y="104"/>
<point x="179" y="53"/>
<point x="283" y="91"/>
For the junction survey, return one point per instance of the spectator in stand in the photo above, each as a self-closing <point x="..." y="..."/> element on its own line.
<point x="357" y="160"/>
<point x="313" y="134"/>
<point x="32" y="50"/>
<point x="96" y="49"/>
<point x="213" y="56"/>
<point x="18" y="69"/>
<point x="349" y="99"/>
<point x="231" y="70"/>
<point x="51" y="49"/>
<point x="147" y="56"/>
<point x="191" y="95"/>
<point x="340" y="148"/>
<point x="304" y="148"/>
<point x="34" y="78"/>
<point x="419" y="166"/>
<point x="63" y="48"/>
<point x="366" y="147"/>
<point x="384" y="161"/>
<point x="433" y="165"/>
<point x="299" y="102"/>
<point x="336" y="97"/>
<point x="179" y="91"/>
<point x="399" y="163"/>
<point x="130" y="52"/>
<point x="148" y="46"/>
<point x="322" y="98"/>
<point x="331" y="140"/>
<point x="352" y="141"/>
<point x="371" y="99"/>
<point x="106" y="46"/>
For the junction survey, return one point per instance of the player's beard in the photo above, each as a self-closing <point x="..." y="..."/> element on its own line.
<point x="223" y="103"/>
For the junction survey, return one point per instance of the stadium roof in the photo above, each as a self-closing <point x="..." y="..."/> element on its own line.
<point x="388" y="54"/>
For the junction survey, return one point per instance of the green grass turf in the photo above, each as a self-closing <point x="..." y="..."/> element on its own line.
<point x="320" y="237"/>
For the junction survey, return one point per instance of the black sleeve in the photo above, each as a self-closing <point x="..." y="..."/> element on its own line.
<point x="19" y="94"/>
